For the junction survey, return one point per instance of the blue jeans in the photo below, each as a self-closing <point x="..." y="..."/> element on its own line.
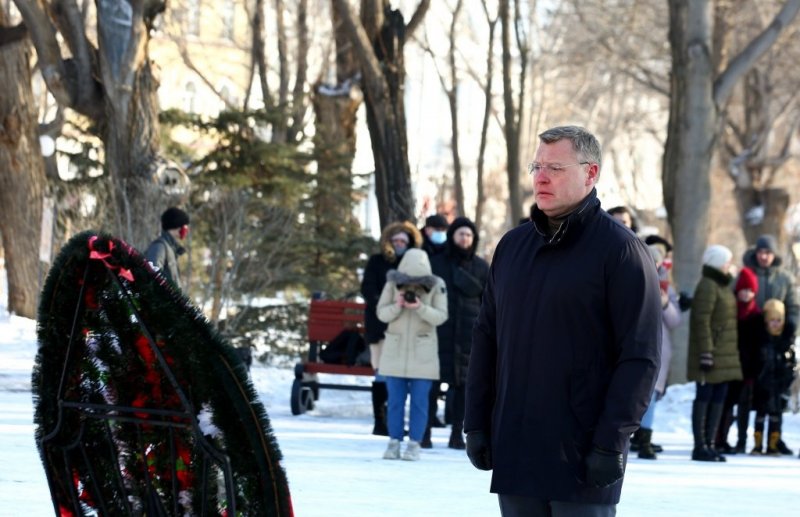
<point x="399" y="388"/>
<point x="650" y="414"/>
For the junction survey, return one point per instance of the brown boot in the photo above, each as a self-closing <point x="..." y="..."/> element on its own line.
<point x="772" y="444"/>
<point x="758" y="438"/>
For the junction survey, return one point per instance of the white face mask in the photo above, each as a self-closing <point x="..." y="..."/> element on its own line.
<point x="438" y="237"/>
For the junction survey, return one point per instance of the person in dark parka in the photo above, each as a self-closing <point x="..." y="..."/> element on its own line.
<point x="465" y="275"/>
<point x="565" y="351"/>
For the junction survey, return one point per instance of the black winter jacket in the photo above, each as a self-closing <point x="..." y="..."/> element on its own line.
<point x="565" y="352"/>
<point x="465" y="274"/>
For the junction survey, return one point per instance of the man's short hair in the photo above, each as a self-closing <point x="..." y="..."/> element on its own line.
<point x="583" y="142"/>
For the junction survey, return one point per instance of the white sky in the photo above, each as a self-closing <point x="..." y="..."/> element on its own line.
<point x="335" y="468"/>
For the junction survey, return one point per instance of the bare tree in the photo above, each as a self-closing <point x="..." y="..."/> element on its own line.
<point x="22" y="171"/>
<point x="378" y="39"/>
<point x="108" y="79"/>
<point x="513" y="109"/>
<point x="450" y="84"/>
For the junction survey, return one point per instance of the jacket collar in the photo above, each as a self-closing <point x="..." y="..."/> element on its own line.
<point x="716" y="275"/>
<point x="169" y="239"/>
<point x="572" y="223"/>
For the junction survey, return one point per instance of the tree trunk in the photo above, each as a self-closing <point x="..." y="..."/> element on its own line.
<point x="378" y="40"/>
<point x="335" y="108"/>
<point x="775" y="204"/>
<point x="22" y="177"/>
<point x="386" y="120"/>
<point x="687" y="154"/>
<point x="452" y="101"/>
<point x="511" y="127"/>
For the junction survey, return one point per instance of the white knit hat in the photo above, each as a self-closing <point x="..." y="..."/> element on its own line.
<point x="717" y="256"/>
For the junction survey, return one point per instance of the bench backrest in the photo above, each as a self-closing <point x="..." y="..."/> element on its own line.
<point x="327" y="318"/>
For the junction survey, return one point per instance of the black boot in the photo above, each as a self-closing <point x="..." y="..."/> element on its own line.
<point x="743" y="418"/>
<point x="721" y="436"/>
<point x="379" y="398"/>
<point x="712" y="424"/>
<point x="636" y="438"/>
<point x="646" y="451"/>
<point x="700" y="452"/>
<point x="426" y="442"/>
<point x="456" y="437"/>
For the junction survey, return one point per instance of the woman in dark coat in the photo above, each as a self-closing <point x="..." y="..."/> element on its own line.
<point x="465" y="275"/>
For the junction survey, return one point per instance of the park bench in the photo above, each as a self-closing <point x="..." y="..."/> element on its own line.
<point x="326" y="320"/>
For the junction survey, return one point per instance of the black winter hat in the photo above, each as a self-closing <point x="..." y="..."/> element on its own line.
<point x="173" y="218"/>
<point x="436" y="221"/>
<point x="767" y="242"/>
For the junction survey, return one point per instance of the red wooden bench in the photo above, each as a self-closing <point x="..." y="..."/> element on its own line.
<point x="326" y="319"/>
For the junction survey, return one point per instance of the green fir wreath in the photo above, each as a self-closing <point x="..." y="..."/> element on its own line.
<point x="141" y="407"/>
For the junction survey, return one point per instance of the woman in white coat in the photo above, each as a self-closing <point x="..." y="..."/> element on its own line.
<point x="413" y="303"/>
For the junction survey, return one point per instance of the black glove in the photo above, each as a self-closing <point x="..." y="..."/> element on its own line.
<point x="603" y="467"/>
<point x="479" y="450"/>
<point x="706" y="361"/>
<point x="684" y="301"/>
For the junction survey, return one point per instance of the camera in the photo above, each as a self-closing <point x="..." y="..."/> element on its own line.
<point x="410" y="296"/>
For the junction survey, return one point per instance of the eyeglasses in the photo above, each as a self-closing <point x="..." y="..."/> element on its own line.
<point x="554" y="168"/>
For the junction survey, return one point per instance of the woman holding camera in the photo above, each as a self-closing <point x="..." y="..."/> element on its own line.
<point x="413" y="303"/>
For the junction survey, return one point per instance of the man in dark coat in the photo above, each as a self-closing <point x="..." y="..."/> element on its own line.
<point x="434" y="234"/>
<point x="565" y="351"/>
<point x="465" y="275"/>
<point x="164" y="251"/>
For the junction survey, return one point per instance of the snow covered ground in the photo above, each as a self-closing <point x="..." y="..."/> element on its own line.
<point x="335" y="468"/>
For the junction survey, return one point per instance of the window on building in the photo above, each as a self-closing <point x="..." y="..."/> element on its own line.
<point x="189" y="97"/>
<point x="228" y="18"/>
<point x="193" y="17"/>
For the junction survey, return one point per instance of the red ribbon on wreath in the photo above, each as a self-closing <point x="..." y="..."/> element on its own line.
<point x="103" y="255"/>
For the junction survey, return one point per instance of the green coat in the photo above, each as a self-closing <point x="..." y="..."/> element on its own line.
<point x="712" y="328"/>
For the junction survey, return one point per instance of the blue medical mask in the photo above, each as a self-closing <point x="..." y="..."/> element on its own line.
<point x="438" y="237"/>
<point x="399" y="249"/>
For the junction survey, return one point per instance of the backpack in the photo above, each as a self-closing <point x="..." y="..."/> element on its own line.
<point x="344" y="348"/>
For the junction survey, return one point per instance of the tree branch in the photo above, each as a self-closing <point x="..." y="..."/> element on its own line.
<point x="738" y="66"/>
<point x="417" y="17"/>
<point x="43" y="35"/>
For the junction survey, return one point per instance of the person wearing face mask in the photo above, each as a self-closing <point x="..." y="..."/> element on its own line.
<point x="396" y="239"/>
<point x="164" y="251"/>
<point x="434" y="235"/>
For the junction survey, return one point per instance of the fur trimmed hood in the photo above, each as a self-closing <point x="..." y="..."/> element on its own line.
<point x="415" y="237"/>
<point x="414" y="269"/>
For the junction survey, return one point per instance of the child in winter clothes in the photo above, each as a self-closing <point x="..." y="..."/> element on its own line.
<point x="750" y="330"/>
<point x="413" y="303"/>
<point x="774" y="378"/>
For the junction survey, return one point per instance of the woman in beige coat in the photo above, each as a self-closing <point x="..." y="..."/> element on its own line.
<point x="413" y="303"/>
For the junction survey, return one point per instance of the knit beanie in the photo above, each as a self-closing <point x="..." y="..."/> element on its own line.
<point x="436" y="221"/>
<point x="717" y="256"/>
<point x="173" y="218"/>
<point x="767" y="242"/>
<point x="747" y="280"/>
